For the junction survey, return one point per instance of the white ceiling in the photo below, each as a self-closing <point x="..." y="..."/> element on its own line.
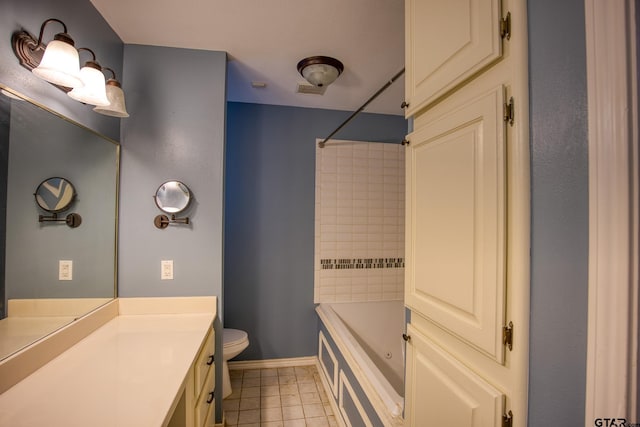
<point x="265" y="39"/>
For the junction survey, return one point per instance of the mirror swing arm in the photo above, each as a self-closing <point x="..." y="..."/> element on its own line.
<point x="163" y="221"/>
<point x="73" y="220"/>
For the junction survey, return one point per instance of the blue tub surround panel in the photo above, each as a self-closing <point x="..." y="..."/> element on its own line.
<point x="352" y="401"/>
<point x="328" y="363"/>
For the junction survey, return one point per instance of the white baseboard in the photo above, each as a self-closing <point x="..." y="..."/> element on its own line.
<point x="273" y="363"/>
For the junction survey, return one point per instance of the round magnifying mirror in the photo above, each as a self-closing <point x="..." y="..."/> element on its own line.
<point x="55" y="194"/>
<point x="173" y="197"/>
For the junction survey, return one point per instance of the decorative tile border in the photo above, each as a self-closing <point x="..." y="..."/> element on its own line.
<point x="360" y="263"/>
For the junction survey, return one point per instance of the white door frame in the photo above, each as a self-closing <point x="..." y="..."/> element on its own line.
<point x="612" y="349"/>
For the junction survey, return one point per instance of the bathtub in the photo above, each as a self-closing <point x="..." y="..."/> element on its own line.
<point x="361" y="353"/>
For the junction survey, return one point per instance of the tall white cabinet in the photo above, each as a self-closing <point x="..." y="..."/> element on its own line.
<point x="467" y="225"/>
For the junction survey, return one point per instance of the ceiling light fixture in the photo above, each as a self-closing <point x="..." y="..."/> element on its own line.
<point x="115" y="95"/>
<point x="93" y="89"/>
<point x="320" y="71"/>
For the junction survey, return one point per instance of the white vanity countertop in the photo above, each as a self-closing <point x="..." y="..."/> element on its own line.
<point x="130" y="372"/>
<point x="17" y="332"/>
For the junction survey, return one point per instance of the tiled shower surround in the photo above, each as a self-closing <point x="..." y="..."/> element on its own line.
<point x="359" y="222"/>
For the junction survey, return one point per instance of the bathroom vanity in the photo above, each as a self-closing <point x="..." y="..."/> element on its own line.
<point x="132" y="362"/>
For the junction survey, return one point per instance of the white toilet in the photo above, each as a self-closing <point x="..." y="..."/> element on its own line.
<point x="234" y="342"/>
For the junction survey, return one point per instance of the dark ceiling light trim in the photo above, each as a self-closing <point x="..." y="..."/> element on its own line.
<point x="320" y="70"/>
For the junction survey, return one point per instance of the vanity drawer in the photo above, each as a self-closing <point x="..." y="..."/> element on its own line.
<point x="204" y="362"/>
<point x="205" y="404"/>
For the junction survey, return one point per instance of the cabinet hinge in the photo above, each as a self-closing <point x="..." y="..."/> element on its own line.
<point x="505" y="26"/>
<point x="507" y="419"/>
<point x="508" y="112"/>
<point x="507" y="335"/>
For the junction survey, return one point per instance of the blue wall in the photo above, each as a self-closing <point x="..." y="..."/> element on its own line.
<point x="559" y="208"/>
<point x="176" y="98"/>
<point x="269" y="219"/>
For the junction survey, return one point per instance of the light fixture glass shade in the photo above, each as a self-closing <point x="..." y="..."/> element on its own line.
<point x="60" y="64"/>
<point x="93" y="90"/>
<point x="320" y="71"/>
<point x="320" y="74"/>
<point x="115" y="95"/>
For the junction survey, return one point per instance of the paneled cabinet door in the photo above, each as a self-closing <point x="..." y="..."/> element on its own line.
<point x="446" y="43"/>
<point x="455" y="248"/>
<point x="440" y="391"/>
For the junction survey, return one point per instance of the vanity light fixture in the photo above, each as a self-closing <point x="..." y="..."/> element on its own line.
<point x="93" y="90"/>
<point x="320" y="71"/>
<point x="115" y="95"/>
<point x="57" y="62"/>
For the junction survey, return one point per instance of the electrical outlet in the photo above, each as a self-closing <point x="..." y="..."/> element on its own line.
<point x="65" y="270"/>
<point x="166" y="269"/>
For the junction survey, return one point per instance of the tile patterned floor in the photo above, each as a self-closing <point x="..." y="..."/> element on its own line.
<point x="278" y="397"/>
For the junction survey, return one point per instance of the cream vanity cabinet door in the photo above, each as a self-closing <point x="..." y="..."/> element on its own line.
<point x="456" y="194"/>
<point x="448" y="393"/>
<point x="447" y="42"/>
<point x="199" y="390"/>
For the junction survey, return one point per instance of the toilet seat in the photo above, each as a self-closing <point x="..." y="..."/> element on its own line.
<point x="232" y="337"/>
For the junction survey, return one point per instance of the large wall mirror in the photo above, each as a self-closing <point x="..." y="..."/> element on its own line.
<point x="52" y="273"/>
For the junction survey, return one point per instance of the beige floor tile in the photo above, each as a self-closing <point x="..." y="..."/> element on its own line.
<point x="290" y="399"/>
<point x="307" y="388"/>
<point x="310" y="397"/>
<point x="317" y="422"/>
<point x="230" y="404"/>
<point x="270" y="390"/>
<point x="249" y="403"/>
<point x="250" y="382"/>
<point x="286" y="371"/>
<point x="289" y="389"/>
<point x="231" y="418"/>
<point x="282" y="397"/>
<point x="269" y="381"/>
<point x="270" y="402"/>
<point x="271" y="414"/>
<point x="313" y="410"/>
<point x="251" y="373"/>
<point x="235" y="393"/>
<point x="250" y="392"/>
<point x="307" y="379"/>
<point x="269" y="372"/>
<point x="287" y="379"/>
<point x="250" y="416"/>
<point x="292" y="412"/>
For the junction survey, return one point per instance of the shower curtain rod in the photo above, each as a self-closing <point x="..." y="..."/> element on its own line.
<point x="355" y="113"/>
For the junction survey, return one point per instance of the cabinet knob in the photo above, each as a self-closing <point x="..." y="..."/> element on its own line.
<point x="404" y="104"/>
<point x="406" y="337"/>
<point x="210" y="361"/>
<point x="210" y="399"/>
<point x="405" y="142"/>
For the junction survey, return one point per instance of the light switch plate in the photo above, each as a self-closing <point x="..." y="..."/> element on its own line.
<point x="166" y="269"/>
<point x="65" y="269"/>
